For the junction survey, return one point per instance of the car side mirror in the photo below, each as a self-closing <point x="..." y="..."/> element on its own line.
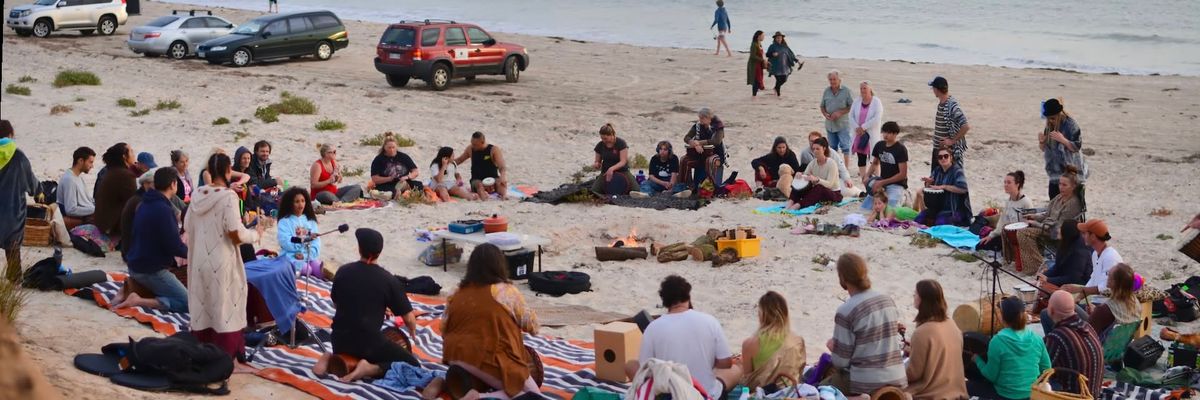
<point x="229" y="26"/>
<point x="489" y="42"/>
<point x="60" y="4"/>
<point x="266" y="34"/>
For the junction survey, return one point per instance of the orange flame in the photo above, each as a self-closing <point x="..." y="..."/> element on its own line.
<point x="628" y="241"/>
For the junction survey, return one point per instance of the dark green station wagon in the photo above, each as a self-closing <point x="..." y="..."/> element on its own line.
<point x="317" y="33"/>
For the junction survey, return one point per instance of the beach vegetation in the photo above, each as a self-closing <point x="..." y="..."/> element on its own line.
<point x="18" y="90"/>
<point x="139" y="113"/>
<point x="221" y="121"/>
<point x="1166" y="276"/>
<point x="267" y="114"/>
<point x="639" y="162"/>
<point x="330" y="125"/>
<point x="964" y="256"/>
<point x="126" y="102"/>
<point x="924" y="241"/>
<point x="238" y="135"/>
<point x="1161" y="212"/>
<point x="294" y="105"/>
<point x="90" y="124"/>
<point x="60" y="109"/>
<point x="1163" y="236"/>
<point x="167" y="105"/>
<point x="27" y="79"/>
<point x="13" y="297"/>
<point x="353" y="171"/>
<point x="244" y="121"/>
<point x="72" y="77"/>
<point x="821" y="259"/>
<point x="80" y="99"/>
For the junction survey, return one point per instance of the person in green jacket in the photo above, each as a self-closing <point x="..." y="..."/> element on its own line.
<point x="1016" y="357"/>
<point x="756" y="65"/>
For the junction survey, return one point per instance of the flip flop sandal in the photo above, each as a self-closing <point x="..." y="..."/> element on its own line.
<point x="105" y="365"/>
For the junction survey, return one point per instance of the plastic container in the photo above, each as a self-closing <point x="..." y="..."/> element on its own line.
<point x="641" y="176"/>
<point x="520" y="263"/>
<point x="465" y="227"/>
<point x="495" y="224"/>
<point x="745" y="247"/>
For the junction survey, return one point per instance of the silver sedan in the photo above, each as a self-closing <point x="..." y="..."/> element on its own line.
<point x="177" y="36"/>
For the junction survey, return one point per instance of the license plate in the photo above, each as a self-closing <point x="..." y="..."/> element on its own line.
<point x="200" y="54"/>
<point x="395" y="56"/>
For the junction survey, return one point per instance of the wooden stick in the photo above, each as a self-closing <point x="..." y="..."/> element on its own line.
<point x="620" y="253"/>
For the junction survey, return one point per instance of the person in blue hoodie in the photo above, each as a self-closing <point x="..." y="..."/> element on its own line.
<point x="1015" y="358"/>
<point x="721" y="21"/>
<point x="155" y="245"/>
<point x="16" y="181"/>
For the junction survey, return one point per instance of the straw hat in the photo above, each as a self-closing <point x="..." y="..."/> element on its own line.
<point x="778" y="34"/>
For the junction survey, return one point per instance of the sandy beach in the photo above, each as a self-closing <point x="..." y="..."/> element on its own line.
<point x="1146" y="156"/>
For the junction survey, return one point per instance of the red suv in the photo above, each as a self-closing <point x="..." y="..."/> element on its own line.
<point x="438" y="51"/>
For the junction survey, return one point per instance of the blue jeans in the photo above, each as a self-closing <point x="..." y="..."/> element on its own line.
<point x="702" y="174"/>
<point x="895" y="194"/>
<point x="166" y="287"/>
<point x="649" y="187"/>
<point x="839" y="140"/>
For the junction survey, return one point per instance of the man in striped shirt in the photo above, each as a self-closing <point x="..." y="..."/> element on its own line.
<point x="865" y="347"/>
<point x="1074" y="345"/>
<point x="949" y="124"/>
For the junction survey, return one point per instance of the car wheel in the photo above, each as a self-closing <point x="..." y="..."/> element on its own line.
<point x="24" y="32"/>
<point x="397" y="80"/>
<point x="88" y="32"/>
<point x="439" y="79"/>
<point x="178" y="50"/>
<point x="42" y="28"/>
<point x="324" y="51"/>
<point x="108" y="25"/>
<point x="242" y="57"/>
<point x="512" y="70"/>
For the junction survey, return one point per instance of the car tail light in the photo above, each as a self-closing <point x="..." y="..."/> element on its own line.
<point x="416" y="54"/>
<point x="152" y="35"/>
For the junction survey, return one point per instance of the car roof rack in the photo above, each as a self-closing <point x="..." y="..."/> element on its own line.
<point x="190" y="12"/>
<point x="427" y="21"/>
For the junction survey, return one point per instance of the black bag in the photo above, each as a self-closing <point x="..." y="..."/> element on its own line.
<point x="43" y="275"/>
<point x="1142" y="353"/>
<point x="86" y="246"/>
<point x="1181" y="305"/>
<point x="979" y="223"/>
<point x="974" y="343"/>
<point x="182" y="359"/>
<point x="420" y="285"/>
<point x="46" y="192"/>
<point x="558" y="283"/>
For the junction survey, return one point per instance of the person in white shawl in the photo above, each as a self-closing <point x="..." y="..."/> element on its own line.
<point x="216" y="275"/>
<point x="866" y="116"/>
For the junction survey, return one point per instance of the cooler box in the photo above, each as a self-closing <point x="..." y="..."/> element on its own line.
<point x="744" y="247"/>
<point x="466" y="227"/>
<point x="520" y="263"/>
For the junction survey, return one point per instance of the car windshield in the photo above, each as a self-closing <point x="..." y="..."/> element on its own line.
<point x="162" y="21"/>
<point x="399" y="37"/>
<point x="46" y="2"/>
<point x="249" y="28"/>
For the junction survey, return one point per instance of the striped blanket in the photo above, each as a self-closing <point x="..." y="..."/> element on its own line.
<point x="569" y="364"/>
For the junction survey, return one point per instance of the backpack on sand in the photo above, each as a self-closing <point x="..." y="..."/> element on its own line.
<point x="175" y="363"/>
<point x="558" y="283"/>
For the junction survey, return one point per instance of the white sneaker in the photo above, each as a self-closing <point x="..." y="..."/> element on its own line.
<point x="638" y="195"/>
<point x="683" y="195"/>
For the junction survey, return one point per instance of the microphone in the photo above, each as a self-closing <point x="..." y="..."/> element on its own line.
<point x="343" y="228"/>
<point x="297" y="239"/>
<point x="340" y="229"/>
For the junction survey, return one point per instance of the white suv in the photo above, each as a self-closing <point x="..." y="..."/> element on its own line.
<point x="87" y="16"/>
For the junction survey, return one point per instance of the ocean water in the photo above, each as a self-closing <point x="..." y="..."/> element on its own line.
<point x="1098" y="36"/>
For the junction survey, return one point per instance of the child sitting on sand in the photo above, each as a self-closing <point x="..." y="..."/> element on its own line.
<point x="881" y="214"/>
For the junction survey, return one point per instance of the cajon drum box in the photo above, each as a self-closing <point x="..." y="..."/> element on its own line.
<point x="616" y="344"/>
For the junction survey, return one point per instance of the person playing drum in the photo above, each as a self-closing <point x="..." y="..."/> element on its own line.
<point x="1014" y="183"/>
<point x="705" y="150"/>
<point x="947" y="201"/>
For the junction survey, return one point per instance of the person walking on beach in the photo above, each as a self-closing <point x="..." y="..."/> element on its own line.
<point x="1060" y="142"/>
<point x="782" y="60"/>
<point x="836" y="102"/>
<point x="949" y="125"/>
<point x="721" y="21"/>
<point x="273" y="6"/>
<point x="756" y="65"/>
<point x="17" y="180"/>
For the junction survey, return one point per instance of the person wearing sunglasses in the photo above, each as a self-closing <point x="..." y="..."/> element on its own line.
<point x="954" y="207"/>
<point x="324" y="176"/>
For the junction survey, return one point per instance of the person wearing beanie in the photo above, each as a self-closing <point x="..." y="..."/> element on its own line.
<point x="1015" y="358"/>
<point x="1060" y="142"/>
<point x="362" y="293"/>
<point x="950" y="125"/>
<point x="1073" y="344"/>
<point x="769" y="168"/>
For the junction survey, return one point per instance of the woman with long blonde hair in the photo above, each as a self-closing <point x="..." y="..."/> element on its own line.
<point x="774" y="349"/>
<point x="1060" y="142"/>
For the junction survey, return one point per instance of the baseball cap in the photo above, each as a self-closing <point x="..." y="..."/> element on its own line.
<point x="1094" y="226"/>
<point x="940" y="83"/>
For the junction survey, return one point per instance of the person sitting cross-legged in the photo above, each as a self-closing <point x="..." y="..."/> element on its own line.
<point x="865" y="348"/>
<point x="1073" y="345"/>
<point x="361" y="292"/>
<point x="664" y="173"/>
<point x="154" y="245"/>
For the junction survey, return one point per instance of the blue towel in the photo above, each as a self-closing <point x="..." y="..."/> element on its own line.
<point x="780" y="209"/>
<point x="404" y="377"/>
<point x="955" y="236"/>
<point x="275" y="279"/>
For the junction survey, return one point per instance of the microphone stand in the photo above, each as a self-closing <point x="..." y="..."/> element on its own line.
<point x="997" y="268"/>
<point x="304" y="296"/>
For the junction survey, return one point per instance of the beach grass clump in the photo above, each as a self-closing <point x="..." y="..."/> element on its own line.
<point x="240" y="134"/>
<point x="80" y="99"/>
<point x="27" y="79"/>
<point x="126" y="102"/>
<point x="639" y="162"/>
<point x="924" y="241"/>
<point x="18" y="90"/>
<point x="244" y="121"/>
<point x="1163" y="236"/>
<point x="353" y="172"/>
<point x="221" y="121"/>
<point x="139" y="113"/>
<point x="167" y="105"/>
<point x="964" y="256"/>
<point x="60" y="109"/>
<point x="294" y="105"/>
<point x="13" y="297"/>
<point x="267" y="114"/>
<point x="330" y="125"/>
<point x="72" y="77"/>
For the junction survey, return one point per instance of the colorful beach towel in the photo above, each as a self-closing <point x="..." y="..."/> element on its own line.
<point x="569" y="364"/>
<point x="782" y="208"/>
<point x="955" y="236"/>
<point x="360" y="204"/>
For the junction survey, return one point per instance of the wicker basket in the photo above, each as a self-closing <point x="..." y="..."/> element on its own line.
<point x="37" y="232"/>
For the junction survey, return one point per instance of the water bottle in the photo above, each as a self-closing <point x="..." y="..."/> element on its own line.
<point x="641" y="176"/>
<point x="745" y="394"/>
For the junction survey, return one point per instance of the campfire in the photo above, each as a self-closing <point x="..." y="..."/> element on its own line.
<point x="623" y="248"/>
